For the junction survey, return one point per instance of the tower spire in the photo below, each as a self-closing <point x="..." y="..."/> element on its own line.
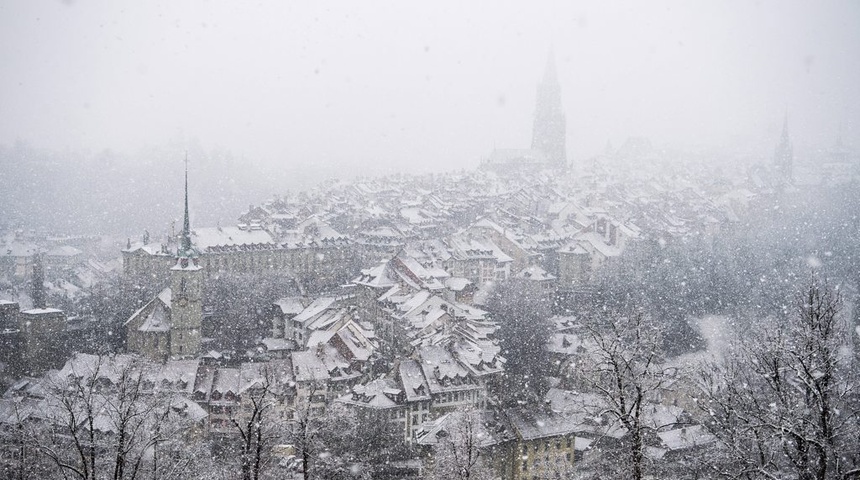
<point x="550" y="75"/>
<point x="186" y="250"/>
<point x="550" y="127"/>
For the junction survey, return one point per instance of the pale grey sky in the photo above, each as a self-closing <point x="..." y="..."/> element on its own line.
<point x="423" y="85"/>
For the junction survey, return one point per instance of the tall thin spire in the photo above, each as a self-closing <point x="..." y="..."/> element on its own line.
<point x="185" y="248"/>
<point x="186" y="226"/>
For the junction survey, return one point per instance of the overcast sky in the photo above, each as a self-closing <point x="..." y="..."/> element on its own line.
<point x="426" y="85"/>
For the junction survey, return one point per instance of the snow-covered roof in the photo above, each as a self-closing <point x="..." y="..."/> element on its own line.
<point x="379" y="394"/>
<point x="316" y="307"/>
<point x="41" y="311"/>
<point x="687" y="437"/>
<point x="206" y="239"/>
<point x="531" y="424"/>
<point x="290" y="305"/>
<point x="596" y="242"/>
<point x="442" y="371"/>
<point x="457" y="284"/>
<point x="535" y="273"/>
<point x="412" y="379"/>
<point x="308" y="367"/>
<point x="158" y="320"/>
<point x="277" y="344"/>
<point x="226" y="381"/>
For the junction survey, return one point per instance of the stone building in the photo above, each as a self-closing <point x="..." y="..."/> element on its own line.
<point x="169" y="325"/>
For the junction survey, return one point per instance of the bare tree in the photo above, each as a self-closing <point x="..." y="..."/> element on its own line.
<point x="338" y="443"/>
<point x="305" y="432"/>
<point x="18" y="453"/>
<point x="100" y="422"/>
<point x="458" y="453"/>
<point x="258" y="426"/>
<point x="785" y="403"/>
<point x="626" y="369"/>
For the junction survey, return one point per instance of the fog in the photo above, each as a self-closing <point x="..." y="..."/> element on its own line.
<point x="437" y="240"/>
<point x="352" y="87"/>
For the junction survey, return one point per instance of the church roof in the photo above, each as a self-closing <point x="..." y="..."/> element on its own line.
<point x="214" y="238"/>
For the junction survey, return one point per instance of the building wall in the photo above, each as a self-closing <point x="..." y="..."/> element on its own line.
<point x="153" y="270"/>
<point x="41" y="330"/>
<point x="549" y="457"/>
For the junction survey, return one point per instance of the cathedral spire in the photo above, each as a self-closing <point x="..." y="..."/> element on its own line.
<point x="550" y="126"/>
<point x="550" y="75"/>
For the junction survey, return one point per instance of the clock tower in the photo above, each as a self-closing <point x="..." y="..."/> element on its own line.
<point x="186" y="286"/>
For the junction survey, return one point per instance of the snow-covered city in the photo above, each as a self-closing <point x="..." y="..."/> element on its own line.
<point x="638" y="306"/>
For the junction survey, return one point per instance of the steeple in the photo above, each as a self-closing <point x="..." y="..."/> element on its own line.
<point x="186" y="250"/>
<point x="550" y="126"/>
<point x="186" y="287"/>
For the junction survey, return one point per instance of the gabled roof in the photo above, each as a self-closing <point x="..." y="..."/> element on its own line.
<point x="412" y="379"/>
<point x="379" y="394"/>
<point x="441" y="370"/>
<point x="290" y="305"/>
<point x="212" y="238"/>
<point x="315" y="308"/>
<point x="226" y="380"/>
<point x="380" y="276"/>
<point x="308" y="367"/>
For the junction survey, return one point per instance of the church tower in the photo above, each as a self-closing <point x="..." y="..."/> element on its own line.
<point x="550" y="126"/>
<point x="186" y="286"/>
<point x="783" y="157"/>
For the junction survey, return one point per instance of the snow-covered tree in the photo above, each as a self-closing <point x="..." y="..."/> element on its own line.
<point x="99" y="421"/>
<point x="458" y="452"/>
<point x="626" y="369"/>
<point x="257" y="426"/>
<point x="522" y="310"/>
<point x="784" y="403"/>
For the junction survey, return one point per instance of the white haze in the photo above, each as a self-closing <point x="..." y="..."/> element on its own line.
<point x="408" y="86"/>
